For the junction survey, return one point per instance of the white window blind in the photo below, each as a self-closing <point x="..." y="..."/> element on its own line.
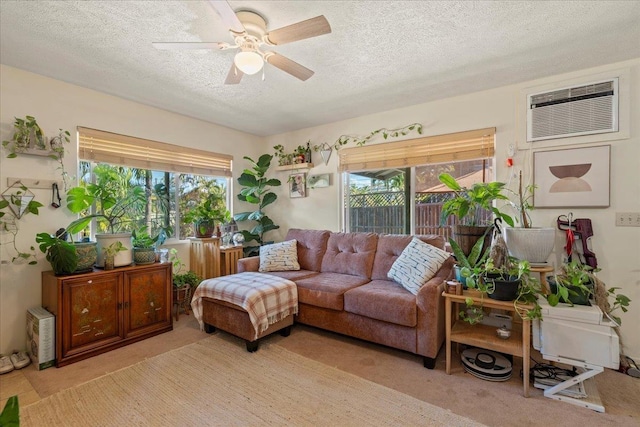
<point x="452" y="147"/>
<point x="100" y="146"/>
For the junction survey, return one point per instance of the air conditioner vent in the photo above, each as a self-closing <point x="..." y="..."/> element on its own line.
<point x="574" y="111"/>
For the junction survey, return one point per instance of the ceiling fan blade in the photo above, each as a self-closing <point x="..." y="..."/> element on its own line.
<point x="228" y="15"/>
<point x="234" y="76"/>
<point x="302" y="30"/>
<point x="288" y="66"/>
<point x="189" y="45"/>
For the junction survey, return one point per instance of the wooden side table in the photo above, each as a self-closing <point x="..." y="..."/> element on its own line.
<point x="229" y="256"/>
<point x="204" y="257"/>
<point x="484" y="336"/>
<point x="543" y="270"/>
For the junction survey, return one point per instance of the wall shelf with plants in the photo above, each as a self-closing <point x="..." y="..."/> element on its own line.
<point x="295" y="166"/>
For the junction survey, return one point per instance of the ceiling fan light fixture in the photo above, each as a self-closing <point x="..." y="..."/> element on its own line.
<point x="248" y="62"/>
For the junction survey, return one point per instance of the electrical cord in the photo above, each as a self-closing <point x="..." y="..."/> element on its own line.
<point x="547" y="371"/>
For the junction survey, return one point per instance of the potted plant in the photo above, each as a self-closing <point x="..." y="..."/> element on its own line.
<point x="257" y="190"/>
<point x="472" y="261"/>
<point x="27" y="134"/>
<point x="184" y="281"/>
<point x="468" y="206"/>
<point x="58" y="250"/>
<point x="205" y="214"/>
<point x="61" y="254"/>
<point x="110" y="253"/>
<point x="534" y="244"/>
<point x="144" y="246"/>
<point x="111" y="208"/>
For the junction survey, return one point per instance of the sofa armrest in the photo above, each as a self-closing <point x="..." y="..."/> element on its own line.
<point x="430" y="303"/>
<point x="248" y="264"/>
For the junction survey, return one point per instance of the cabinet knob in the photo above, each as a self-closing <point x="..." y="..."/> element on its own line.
<point x="89" y="281"/>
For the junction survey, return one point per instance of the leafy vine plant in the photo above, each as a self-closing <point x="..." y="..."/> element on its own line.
<point x="362" y="140"/>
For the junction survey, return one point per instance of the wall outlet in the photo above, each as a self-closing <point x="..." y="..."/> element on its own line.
<point x="628" y="219"/>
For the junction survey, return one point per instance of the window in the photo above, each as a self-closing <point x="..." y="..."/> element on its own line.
<point x="174" y="178"/>
<point x="379" y="179"/>
<point x="377" y="201"/>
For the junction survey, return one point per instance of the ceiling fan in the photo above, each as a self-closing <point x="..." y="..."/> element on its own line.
<point x="249" y="31"/>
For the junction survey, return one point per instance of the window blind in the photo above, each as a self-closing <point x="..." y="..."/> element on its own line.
<point x="452" y="147"/>
<point x="100" y="146"/>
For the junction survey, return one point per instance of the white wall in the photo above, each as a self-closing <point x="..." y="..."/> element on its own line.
<point x="60" y="105"/>
<point x="617" y="248"/>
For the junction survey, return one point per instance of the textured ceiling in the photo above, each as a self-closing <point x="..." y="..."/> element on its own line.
<point x="379" y="56"/>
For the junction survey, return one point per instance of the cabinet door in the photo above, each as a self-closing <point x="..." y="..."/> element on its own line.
<point x="147" y="299"/>
<point x="92" y="313"/>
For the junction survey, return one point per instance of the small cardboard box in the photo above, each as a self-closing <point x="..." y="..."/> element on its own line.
<point x="41" y="337"/>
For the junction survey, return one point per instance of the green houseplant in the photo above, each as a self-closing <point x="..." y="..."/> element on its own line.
<point x="61" y="254"/>
<point x="184" y="282"/>
<point x="468" y="206"/>
<point x="113" y="210"/>
<point x="110" y="253"/>
<point x="257" y="190"/>
<point x="144" y="245"/>
<point x="473" y="260"/>
<point x="67" y="257"/>
<point x="205" y="214"/>
<point x="27" y="134"/>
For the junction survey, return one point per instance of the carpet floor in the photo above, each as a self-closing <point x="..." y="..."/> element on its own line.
<point x="216" y="382"/>
<point x="490" y="403"/>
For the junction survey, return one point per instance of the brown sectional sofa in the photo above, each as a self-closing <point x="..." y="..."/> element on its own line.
<point x="343" y="287"/>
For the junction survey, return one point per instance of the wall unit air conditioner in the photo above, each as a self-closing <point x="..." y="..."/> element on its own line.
<point x="573" y="111"/>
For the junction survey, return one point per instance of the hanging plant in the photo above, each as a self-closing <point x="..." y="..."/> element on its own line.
<point x="386" y="133"/>
<point x="57" y="146"/>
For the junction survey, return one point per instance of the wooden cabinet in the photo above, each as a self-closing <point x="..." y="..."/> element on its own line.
<point x="204" y="257"/>
<point x="103" y="310"/>
<point x="229" y="256"/>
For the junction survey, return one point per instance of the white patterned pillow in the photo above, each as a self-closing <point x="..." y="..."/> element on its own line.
<point x="281" y="256"/>
<point x="417" y="264"/>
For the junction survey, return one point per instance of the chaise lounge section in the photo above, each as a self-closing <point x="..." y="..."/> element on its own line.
<point x="343" y="287"/>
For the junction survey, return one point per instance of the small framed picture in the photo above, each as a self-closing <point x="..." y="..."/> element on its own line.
<point x="319" y="181"/>
<point x="298" y="185"/>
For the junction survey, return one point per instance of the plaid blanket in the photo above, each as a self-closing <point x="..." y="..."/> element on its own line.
<point x="266" y="298"/>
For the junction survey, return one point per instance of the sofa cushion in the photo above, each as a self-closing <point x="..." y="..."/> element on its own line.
<point x="281" y="256"/>
<point x="350" y="253"/>
<point x="312" y="245"/>
<point x="390" y="246"/>
<point x="327" y="289"/>
<point x="417" y="263"/>
<point x="383" y="300"/>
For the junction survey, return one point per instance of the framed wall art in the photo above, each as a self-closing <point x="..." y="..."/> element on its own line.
<point x="319" y="181"/>
<point x="577" y="177"/>
<point x="298" y="185"/>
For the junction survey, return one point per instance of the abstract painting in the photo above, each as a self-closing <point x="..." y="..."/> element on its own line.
<point x="577" y="177"/>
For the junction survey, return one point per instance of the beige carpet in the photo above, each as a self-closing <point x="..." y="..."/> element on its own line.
<point x="216" y="382"/>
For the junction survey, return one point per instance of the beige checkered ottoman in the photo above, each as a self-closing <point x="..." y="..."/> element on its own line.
<point x="248" y="305"/>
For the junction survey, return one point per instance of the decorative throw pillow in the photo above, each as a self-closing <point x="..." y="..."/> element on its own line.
<point x="281" y="256"/>
<point x="417" y="264"/>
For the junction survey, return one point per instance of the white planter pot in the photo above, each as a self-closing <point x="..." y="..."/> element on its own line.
<point x="531" y="244"/>
<point x="122" y="258"/>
